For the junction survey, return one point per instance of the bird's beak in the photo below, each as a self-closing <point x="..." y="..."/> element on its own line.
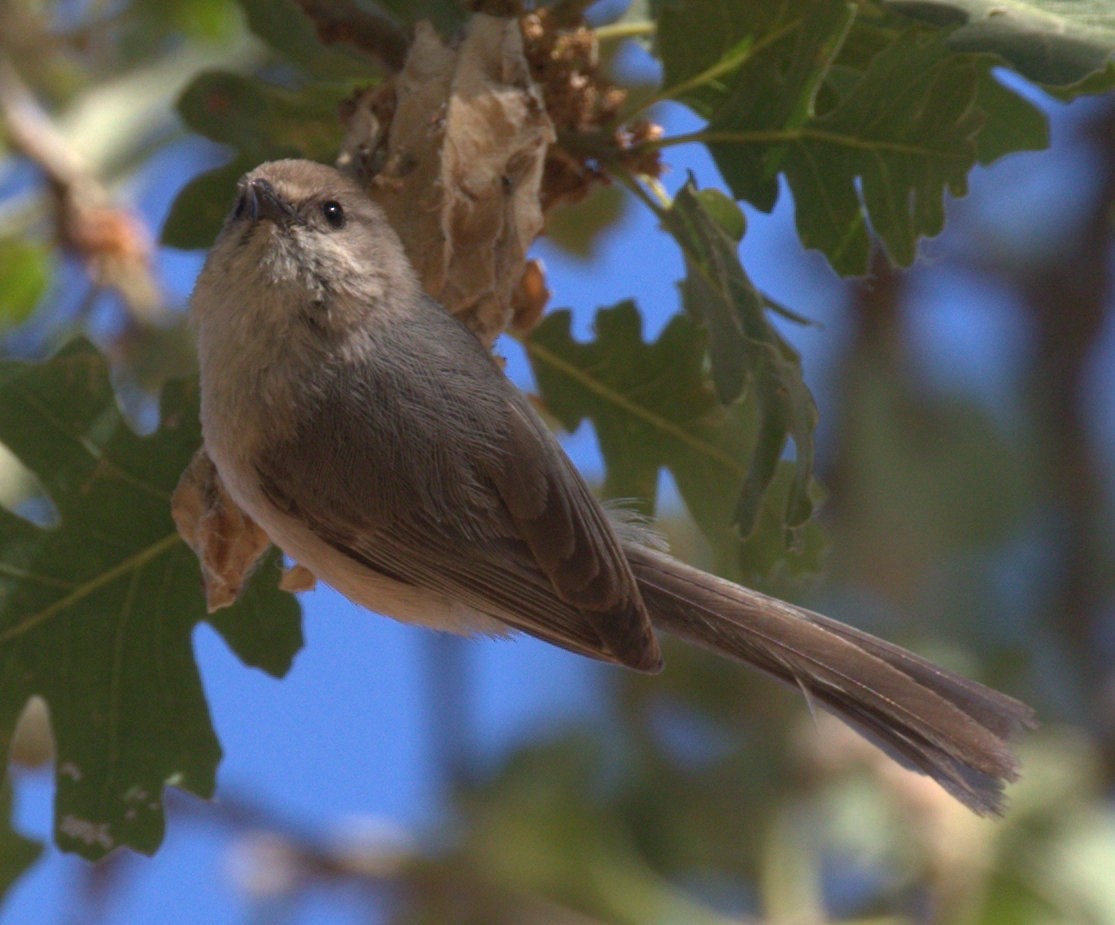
<point x="262" y="201"/>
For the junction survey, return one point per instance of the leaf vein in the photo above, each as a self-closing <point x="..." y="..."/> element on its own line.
<point x="95" y="452"/>
<point x="83" y="590"/>
<point x="24" y="575"/>
<point x="641" y="412"/>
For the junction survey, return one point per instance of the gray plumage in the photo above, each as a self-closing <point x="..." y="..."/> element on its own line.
<point x="374" y="439"/>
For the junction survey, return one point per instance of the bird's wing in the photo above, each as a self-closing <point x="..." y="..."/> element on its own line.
<point x="458" y="487"/>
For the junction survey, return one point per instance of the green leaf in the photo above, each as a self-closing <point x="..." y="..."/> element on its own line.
<point x="772" y="545"/>
<point x="25" y="270"/>
<point x="262" y="122"/>
<point x="746" y="350"/>
<point x="719" y="209"/>
<point x="1102" y="81"/>
<point x="906" y="134"/>
<point x="716" y="290"/>
<point x="284" y="27"/>
<point x="703" y="44"/>
<point x="96" y="614"/>
<point x="1010" y="123"/>
<point x="200" y="207"/>
<point x="1054" y="42"/>
<point x="577" y="226"/>
<point x="891" y="148"/>
<point x="210" y="19"/>
<point x="883" y="135"/>
<point x="447" y="16"/>
<point x="869" y="118"/>
<point x="16" y="852"/>
<point x="652" y="406"/>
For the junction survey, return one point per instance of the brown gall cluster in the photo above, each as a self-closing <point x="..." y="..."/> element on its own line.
<point x="584" y="106"/>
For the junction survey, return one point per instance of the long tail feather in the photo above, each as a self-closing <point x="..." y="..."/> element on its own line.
<point x="926" y="718"/>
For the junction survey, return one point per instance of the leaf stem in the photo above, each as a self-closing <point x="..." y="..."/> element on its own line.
<point x="617" y="31"/>
<point x="621" y="173"/>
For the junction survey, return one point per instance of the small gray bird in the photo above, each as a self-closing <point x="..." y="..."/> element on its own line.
<point x="374" y="439"/>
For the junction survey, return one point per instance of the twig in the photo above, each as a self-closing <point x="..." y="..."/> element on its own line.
<point x="617" y="31"/>
<point x="113" y="242"/>
<point x="31" y="133"/>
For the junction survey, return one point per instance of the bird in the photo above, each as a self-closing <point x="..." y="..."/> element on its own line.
<point x="379" y="445"/>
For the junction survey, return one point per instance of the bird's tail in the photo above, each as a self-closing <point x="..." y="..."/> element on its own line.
<point x="926" y="718"/>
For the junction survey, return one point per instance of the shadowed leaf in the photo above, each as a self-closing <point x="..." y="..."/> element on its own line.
<point x="201" y="205"/>
<point x="261" y="122"/>
<point x="747" y="352"/>
<point x="652" y="406"/>
<point x="290" y="32"/>
<point x="446" y="15"/>
<point x="24" y="276"/>
<point x="96" y="614"/>
<point x="16" y="852"/>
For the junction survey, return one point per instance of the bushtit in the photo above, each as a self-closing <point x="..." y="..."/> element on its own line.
<point x="374" y="439"/>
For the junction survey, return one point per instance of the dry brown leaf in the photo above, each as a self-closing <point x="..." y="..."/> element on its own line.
<point x="529" y="299"/>
<point x="227" y="542"/>
<point x="297" y="578"/>
<point x="460" y="178"/>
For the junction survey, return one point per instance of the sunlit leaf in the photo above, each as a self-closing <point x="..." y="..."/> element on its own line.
<point x="25" y="270"/>
<point x="1049" y="41"/>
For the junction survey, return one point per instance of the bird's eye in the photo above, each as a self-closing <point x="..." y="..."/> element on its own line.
<point x="333" y="213"/>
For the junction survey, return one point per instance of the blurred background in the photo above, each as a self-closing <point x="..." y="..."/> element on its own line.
<point x="967" y="443"/>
